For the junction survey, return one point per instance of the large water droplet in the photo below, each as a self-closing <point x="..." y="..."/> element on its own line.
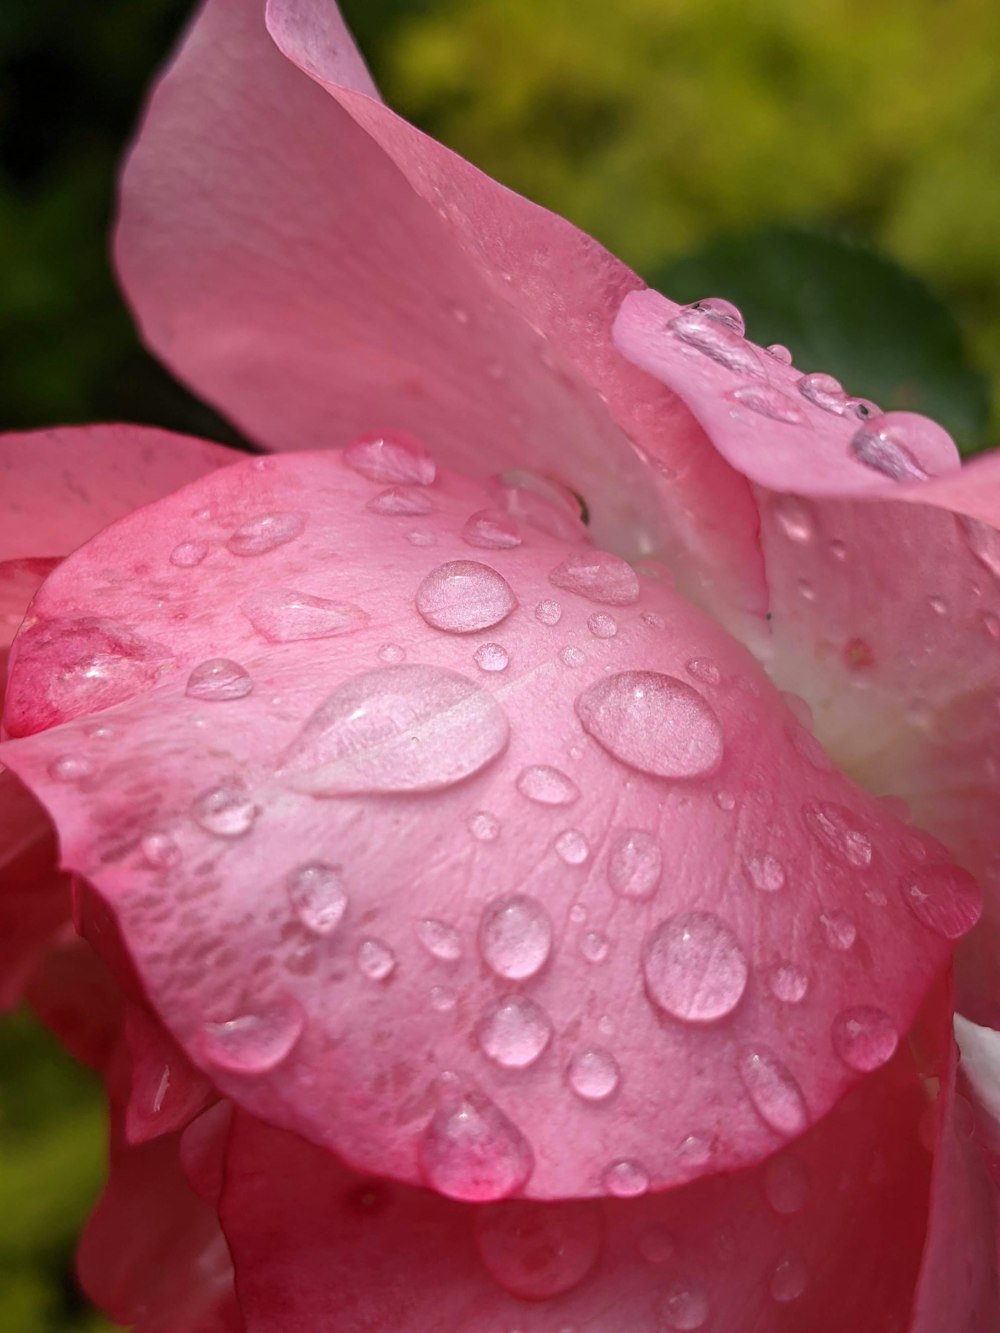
<point x="255" y="1042"/>
<point x="409" y="500"/>
<point x="472" y="1151"/>
<point x="492" y="530"/>
<point x="786" y="1185"/>
<point x="547" y="786"/>
<point x="764" y="871"/>
<point x="264" y="533"/>
<point x="219" y="679"/>
<point x="598" y="576"/>
<point x="539" y="1250"/>
<point x="864" y="1037"/>
<point x="835" y="828"/>
<point x="883" y="449"/>
<point x="654" y="723"/>
<point x="226" y="811"/>
<point x="694" y="967"/>
<point x="634" y="864"/>
<point x="593" y="1074"/>
<point x="515" y="936"/>
<point x="724" y="344"/>
<point x="463" y="596"/>
<point x="397" y="729"/>
<point x="684" y="1306"/>
<point x="943" y="897"/>
<point x="440" y="940"/>
<point x="825" y="392"/>
<point x="767" y="401"/>
<point x="281" y="615"/>
<point x="626" y="1179"/>
<point x="317" y="895"/>
<point x="774" y="1093"/>
<point x="391" y="456"/>
<point x="515" y="1032"/>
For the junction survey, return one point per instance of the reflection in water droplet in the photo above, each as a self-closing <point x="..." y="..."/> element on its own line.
<point x="547" y="786"/>
<point x="470" y="1150"/>
<point x="255" y="1042"/>
<point x="491" y="657"/>
<point x="226" y="811"/>
<point x="515" y="1032"/>
<point x="655" y="723"/>
<point x="700" y="330"/>
<point x="282" y="615"/>
<point x="492" y="530"/>
<point x="391" y="653"/>
<point x="515" y="936"/>
<point x="825" y="392"/>
<point x="548" y="612"/>
<point x="462" y="596"/>
<point x="634" y="864"/>
<point x="539" y="1250"/>
<point x="264" y="533"/>
<point x="794" y="519"/>
<point x="602" y="626"/>
<point x="598" y="576"/>
<point x="721" y="311"/>
<point x="317" y="895"/>
<point x="595" y="946"/>
<point x="593" y="1074"/>
<point x="772" y="1090"/>
<point x="767" y="401"/>
<point x="219" y="679"/>
<point x="390" y="457"/>
<point x="883" y="450"/>
<point x="864" y="1037"/>
<point x="694" y="967"/>
<point x="944" y="897"/>
<point x="780" y="353"/>
<point x="70" y="768"/>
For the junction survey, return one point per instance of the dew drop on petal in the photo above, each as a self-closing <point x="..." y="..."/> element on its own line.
<point x="635" y="863"/>
<point x="548" y="612"/>
<point x="684" y="1306"/>
<point x="695" y="1150"/>
<point x="788" y="983"/>
<point x="391" y="654"/>
<point x="462" y="596"/>
<point x="773" y="1092"/>
<point x="593" y="1074"/>
<point x="484" y="826"/>
<point x="281" y="615"/>
<point x="602" y="626"/>
<point x="491" y="657"/>
<point x="694" y="967"/>
<point x="160" y="851"/>
<point x="440" y="940"/>
<point x="595" y="946"/>
<point x="722" y="311"/>
<point x="317" y="895"/>
<point x="254" y="1042"/>
<point x="626" y="1179"/>
<point x="219" y="679"/>
<point x="70" y="768"/>
<point x="823" y="391"/>
<point x="186" y="555"/>
<point x="789" y="1279"/>
<point x="767" y="401"/>
<point x="471" y="1151"/>
<point x="390" y="457"/>
<point x="864" y="1037"/>
<point x="839" y="929"/>
<point x="571" y="656"/>
<point x="882" y="449"/>
<point x="716" y="339"/>
<point x="835" y="828"/>
<point x="571" y="847"/>
<point x="409" y="500"/>
<point x="780" y="353"/>
<point x="375" y="960"/>
<point x="537" y="1251"/>
<point x="654" y="723"/>
<point x="547" y="786"/>
<point x="443" y="999"/>
<point x="794" y="519"/>
<point x="397" y="729"/>
<point x="944" y="897"/>
<point x="514" y="1032"/>
<point x="515" y="936"/>
<point x="264" y="533"/>
<point x="225" y="811"/>
<point x="492" y="530"/>
<point x="786" y="1185"/>
<point x="764" y="871"/>
<point x="703" y="669"/>
<point x="598" y="576"/>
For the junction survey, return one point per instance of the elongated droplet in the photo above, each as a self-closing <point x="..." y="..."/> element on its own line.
<point x="714" y="338"/>
<point x="654" y="723"/>
<point x="219" y="679"/>
<point x="472" y="1151"/>
<point x="515" y="1032"/>
<point x="774" y="1093"/>
<point x="635" y="863"/>
<point x="492" y="529"/>
<point x="391" y="457"/>
<point x="254" y="1042"/>
<point x="767" y="401"/>
<point x="882" y="450"/>
<point x="397" y="729"/>
<point x="537" y="1251"/>
<point x="408" y="500"/>
<point x="835" y="828"/>
<point x="598" y="576"/>
<point x="694" y="967"/>
<point x="825" y="392"/>
<point x="282" y="615"/>
<point x="317" y="895"/>
<point x="186" y="555"/>
<point x="944" y="897"/>
<point x="264" y="533"/>
<point x="515" y="936"/>
<point x="463" y="596"/>
<point x="547" y="786"/>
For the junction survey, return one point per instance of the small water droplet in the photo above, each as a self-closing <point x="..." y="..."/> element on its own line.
<point x="70" y="768"/>
<point x="944" y="897"/>
<point x="883" y="450"/>
<point x="484" y="827"/>
<point x="626" y="1179"/>
<point x="716" y="339"/>
<point x="420" y="538"/>
<point x="780" y="353"/>
<point x="786" y="1185"/>
<point x="593" y="1074"/>
<point x="571" y="847"/>
<point x="572" y="657"/>
<point x="684" y="1306"/>
<point x="186" y="555"/>
<point x="772" y="1090"/>
<point x="440" y="940"/>
<point x="160" y="851"/>
<point x="694" y="967"/>
<point x="282" y="615"/>
<point x="471" y="1151"/>
<point x="703" y="669"/>
<point x="789" y="983"/>
<point x="547" y="786"/>
<point x="767" y="401"/>
<point x="725" y="800"/>
<point x="409" y="500"/>
<point x="548" y="612"/>
<point x="515" y="1032"/>
<point x="789" y="1279"/>
<point x="225" y="811"/>
<point x="515" y="936"/>
<point x="598" y="576"/>
<point x="537" y="1251"/>
<point x="375" y="960"/>
<point x="602" y="626"/>
<point x="836" y="829"/>
<point x="839" y="929"/>
<point x="595" y="946"/>
<point x="391" y="653"/>
<point x="391" y="457"/>
<point x="578" y="914"/>
<point x="695" y="1150"/>
<point x="825" y="392"/>
<point x="983" y="540"/>
<point x="654" y="723"/>
<point x="219" y="679"/>
<point x="492" y="530"/>
<point x="491" y="657"/>
<point x="317" y="895"/>
<point x="635" y="863"/>
<point x="764" y="871"/>
<point x="255" y="1042"/>
<point x="462" y="596"/>
<point x="653" y="620"/>
<point x="864" y="1037"/>
<point x="264" y="533"/>
<point x="443" y="999"/>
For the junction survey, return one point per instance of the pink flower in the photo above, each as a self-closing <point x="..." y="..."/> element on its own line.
<point x="477" y="935"/>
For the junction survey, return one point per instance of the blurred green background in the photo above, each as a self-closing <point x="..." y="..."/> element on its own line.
<point x="833" y="166"/>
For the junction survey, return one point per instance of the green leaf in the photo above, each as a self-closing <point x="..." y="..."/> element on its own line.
<point x="847" y="311"/>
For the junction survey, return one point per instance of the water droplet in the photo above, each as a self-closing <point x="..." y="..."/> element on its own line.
<point x="684" y="1306"/>
<point x="70" y="768"/>
<point x="725" y="800"/>
<point x="695" y="1150"/>
<point x="462" y="596"/>
<point x="626" y="1179"/>
<point x="188" y="554"/>
<point x="767" y="401"/>
<point x="839" y="929"/>
<point x="780" y="353"/>
<point x="547" y="786"/>
<point x="515" y="1032"/>
<point x="160" y="851"/>
<point x="219" y="679"/>
<point x="634" y="864"/>
<point x="440" y="940"/>
<point x="226" y="811"/>
<point x="264" y="533"/>
<point x="694" y="967"/>
<point x="825" y="392"/>
<point x="788" y="983"/>
<point x="864" y="1037"/>
<point x="789" y="1279"/>
<point x="598" y="576"/>
<point x="578" y="914"/>
<point x="443" y="999"/>
<point x="492" y="529"/>
<point x="571" y="847"/>
<point x="722" y="311"/>
<point x="595" y="946"/>
<point x="546" y="504"/>
<point x="602" y="626"/>
<point x="794" y="519"/>
<point x="983" y="541"/>
<point x="317" y="895"/>
<point x="883" y="449"/>
<point x="786" y="1186"/>
<point x="391" y="457"/>
<point x="255" y="1042"/>
<point x="764" y="871"/>
<point x="836" y="829"/>
<point x="703" y="669"/>
<point x="484" y="827"/>
<point x="572" y="657"/>
<point x="419" y="538"/>
<point x="593" y="1074"/>
<point x="539" y="1250"/>
<point x="724" y="344"/>
<point x="391" y="653"/>
<point x="654" y="723"/>
<point x="774" y="1093"/>
<point x="491" y="657"/>
<point x="397" y="729"/>
<point x="408" y="500"/>
<point x="281" y="615"/>
<point x="375" y="960"/>
<point x="943" y="897"/>
<point x="471" y="1151"/>
<point x="548" y="612"/>
<point x="515" y="936"/>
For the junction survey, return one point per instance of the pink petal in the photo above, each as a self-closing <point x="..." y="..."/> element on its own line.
<point x="614" y="901"/>
<point x="75" y="995"/>
<point x="316" y="267"/>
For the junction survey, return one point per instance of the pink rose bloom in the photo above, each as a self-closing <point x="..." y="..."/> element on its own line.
<point x="525" y="839"/>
